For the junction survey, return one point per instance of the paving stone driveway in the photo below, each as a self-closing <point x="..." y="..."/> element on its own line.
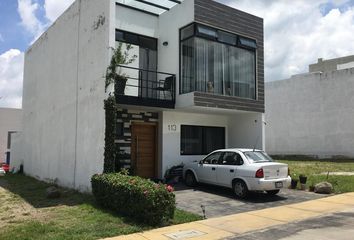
<point x="221" y="201"/>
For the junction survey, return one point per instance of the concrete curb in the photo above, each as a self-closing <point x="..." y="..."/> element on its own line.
<point x="233" y="225"/>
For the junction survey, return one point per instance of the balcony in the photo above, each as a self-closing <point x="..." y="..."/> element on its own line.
<point x="143" y="87"/>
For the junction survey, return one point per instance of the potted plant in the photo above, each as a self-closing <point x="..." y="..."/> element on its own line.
<point x="302" y="178"/>
<point x="114" y="73"/>
<point x="293" y="181"/>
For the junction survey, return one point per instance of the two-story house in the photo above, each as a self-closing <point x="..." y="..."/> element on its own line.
<point x="196" y="84"/>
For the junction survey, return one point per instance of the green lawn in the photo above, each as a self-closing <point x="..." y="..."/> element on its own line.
<point x="25" y="213"/>
<point x="314" y="171"/>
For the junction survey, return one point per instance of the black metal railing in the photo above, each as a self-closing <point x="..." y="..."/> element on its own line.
<point x="145" y="87"/>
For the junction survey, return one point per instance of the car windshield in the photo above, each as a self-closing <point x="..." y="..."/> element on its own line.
<point x="257" y="156"/>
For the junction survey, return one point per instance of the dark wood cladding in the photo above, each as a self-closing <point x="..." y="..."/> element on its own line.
<point x="224" y="17"/>
<point x="202" y="99"/>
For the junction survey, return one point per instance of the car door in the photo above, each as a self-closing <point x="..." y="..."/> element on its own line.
<point x="207" y="168"/>
<point x="227" y="169"/>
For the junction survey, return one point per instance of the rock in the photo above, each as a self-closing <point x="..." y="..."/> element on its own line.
<point x="53" y="192"/>
<point x="324" y="188"/>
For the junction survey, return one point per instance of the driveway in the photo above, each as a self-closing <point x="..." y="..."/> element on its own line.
<point x="221" y="201"/>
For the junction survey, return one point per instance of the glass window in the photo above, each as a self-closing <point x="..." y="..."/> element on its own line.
<point x="187" y="32"/>
<point x="198" y="140"/>
<point x="131" y="38"/>
<point x="212" y="158"/>
<point x="227" y="37"/>
<point x="140" y="83"/>
<point x="206" y="32"/>
<point x="217" y="68"/>
<point x="191" y="140"/>
<point x="245" y="42"/>
<point x="119" y="36"/>
<point x="232" y="158"/>
<point x="213" y="61"/>
<point x="257" y="156"/>
<point x="213" y="138"/>
<point x="149" y="43"/>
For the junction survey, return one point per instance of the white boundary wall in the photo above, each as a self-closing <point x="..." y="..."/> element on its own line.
<point x="10" y="121"/>
<point x="63" y="135"/>
<point x="311" y="114"/>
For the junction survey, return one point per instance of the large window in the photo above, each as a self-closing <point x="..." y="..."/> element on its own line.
<point x="217" y="62"/>
<point x="198" y="140"/>
<point x="140" y="83"/>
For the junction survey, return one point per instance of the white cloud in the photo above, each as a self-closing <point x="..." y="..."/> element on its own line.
<point x="27" y="10"/>
<point x="12" y="61"/>
<point x="296" y="33"/>
<point x="11" y="75"/>
<point x="54" y="8"/>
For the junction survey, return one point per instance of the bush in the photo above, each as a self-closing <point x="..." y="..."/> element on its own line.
<point x="134" y="197"/>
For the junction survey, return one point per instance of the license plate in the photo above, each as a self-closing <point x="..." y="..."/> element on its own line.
<point x="278" y="184"/>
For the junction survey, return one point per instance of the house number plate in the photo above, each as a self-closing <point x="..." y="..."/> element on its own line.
<point x="184" y="234"/>
<point x="172" y="128"/>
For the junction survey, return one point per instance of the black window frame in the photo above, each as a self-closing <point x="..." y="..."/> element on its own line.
<point x="139" y="39"/>
<point x="204" y="150"/>
<point x="238" y="44"/>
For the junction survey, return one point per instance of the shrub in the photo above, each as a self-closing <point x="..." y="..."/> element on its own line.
<point x="134" y="197"/>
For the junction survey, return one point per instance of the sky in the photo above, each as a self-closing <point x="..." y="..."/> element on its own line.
<point x="297" y="33"/>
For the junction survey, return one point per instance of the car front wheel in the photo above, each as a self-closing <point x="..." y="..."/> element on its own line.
<point x="240" y="189"/>
<point x="273" y="192"/>
<point x="190" y="179"/>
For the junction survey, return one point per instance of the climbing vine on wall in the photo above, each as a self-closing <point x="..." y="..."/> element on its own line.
<point x="110" y="151"/>
<point x="113" y="74"/>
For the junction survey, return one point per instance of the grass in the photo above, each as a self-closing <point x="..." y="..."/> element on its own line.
<point x="316" y="171"/>
<point x="26" y="213"/>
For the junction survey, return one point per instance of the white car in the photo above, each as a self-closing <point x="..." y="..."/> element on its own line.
<point x="243" y="170"/>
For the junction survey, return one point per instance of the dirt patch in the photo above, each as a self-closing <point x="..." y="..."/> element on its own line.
<point x="13" y="209"/>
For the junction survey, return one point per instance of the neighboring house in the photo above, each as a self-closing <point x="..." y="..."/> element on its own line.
<point x="312" y="113"/>
<point x="10" y="123"/>
<point x="196" y="85"/>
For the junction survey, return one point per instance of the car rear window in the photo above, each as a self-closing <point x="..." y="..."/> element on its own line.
<point x="257" y="156"/>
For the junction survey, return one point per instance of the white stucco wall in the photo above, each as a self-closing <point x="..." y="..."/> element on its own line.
<point x="170" y="22"/>
<point x="16" y="157"/>
<point x="246" y="130"/>
<point x="63" y="135"/>
<point x="240" y="131"/>
<point x="137" y="22"/>
<point x="311" y="114"/>
<point x="10" y="121"/>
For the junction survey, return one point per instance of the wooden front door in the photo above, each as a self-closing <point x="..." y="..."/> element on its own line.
<point x="143" y="149"/>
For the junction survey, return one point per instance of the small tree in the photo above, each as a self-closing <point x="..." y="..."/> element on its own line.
<point x="119" y="57"/>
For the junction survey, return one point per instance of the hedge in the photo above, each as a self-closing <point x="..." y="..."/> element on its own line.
<point x="135" y="197"/>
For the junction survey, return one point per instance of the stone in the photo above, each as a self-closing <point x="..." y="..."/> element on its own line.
<point x="53" y="192"/>
<point x="323" y="188"/>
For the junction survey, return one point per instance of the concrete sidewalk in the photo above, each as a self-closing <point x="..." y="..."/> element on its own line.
<point x="233" y="225"/>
